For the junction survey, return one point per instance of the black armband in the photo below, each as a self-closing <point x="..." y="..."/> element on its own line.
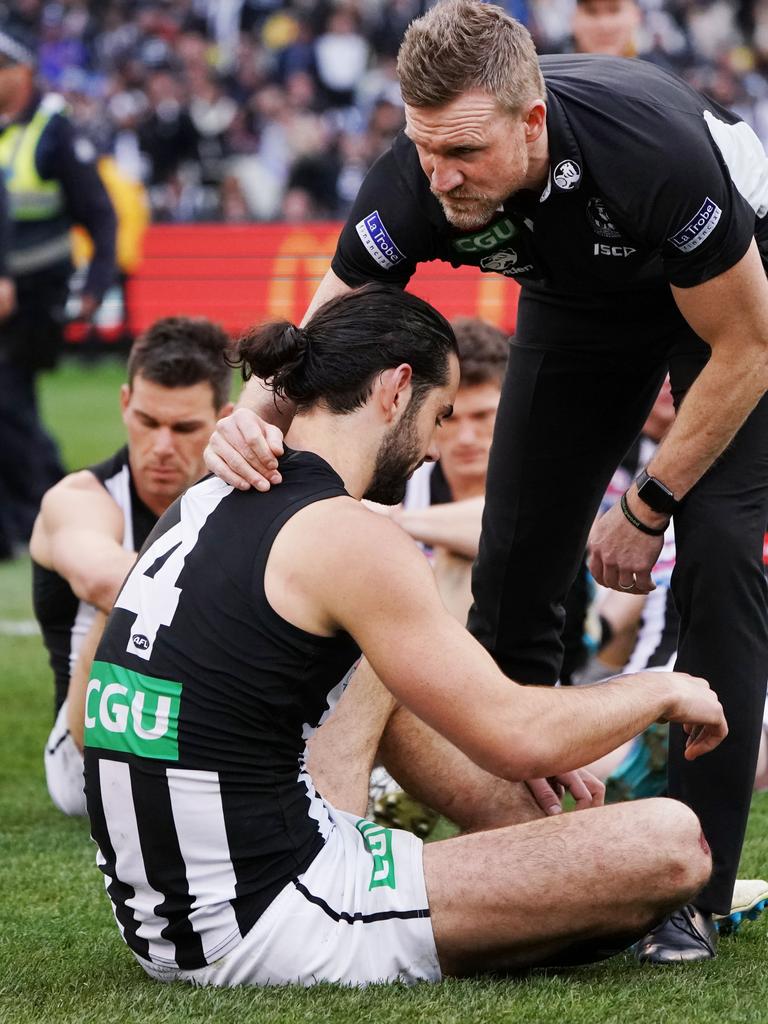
<point x="638" y="525"/>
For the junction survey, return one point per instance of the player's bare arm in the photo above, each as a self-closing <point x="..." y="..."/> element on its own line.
<point x="81" y="674"/>
<point x="454" y="525"/>
<point x="730" y="313"/>
<point x="78" y="534"/>
<point x="244" y="447"/>
<point x="336" y="565"/>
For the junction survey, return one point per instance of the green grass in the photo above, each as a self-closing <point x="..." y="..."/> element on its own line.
<point x="80" y="403"/>
<point x="61" y="957"/>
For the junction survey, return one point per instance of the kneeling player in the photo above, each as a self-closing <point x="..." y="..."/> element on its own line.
<point x="92" y="523"/>
<point x="224" y="863"/>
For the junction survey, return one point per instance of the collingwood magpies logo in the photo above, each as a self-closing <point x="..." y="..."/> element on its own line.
<point x="600" y="219"/>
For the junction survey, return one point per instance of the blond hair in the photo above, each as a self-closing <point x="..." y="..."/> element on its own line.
<point x="460" y="45"/>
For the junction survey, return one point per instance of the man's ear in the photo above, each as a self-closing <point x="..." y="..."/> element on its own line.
<point x="125" y="397"/>
<point x="225" y="410"/>
<point x="535" y="120"/>
<point x="394" y="390"/>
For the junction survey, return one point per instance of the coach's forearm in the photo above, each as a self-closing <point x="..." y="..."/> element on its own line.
<point x="263" y="401"/>
<point x="718" y="402"/>
<point x="730" y="313"/>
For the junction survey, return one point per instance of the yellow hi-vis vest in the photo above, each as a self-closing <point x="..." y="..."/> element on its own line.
<point x="30" y="196"/>
<point x="33" y="200"/>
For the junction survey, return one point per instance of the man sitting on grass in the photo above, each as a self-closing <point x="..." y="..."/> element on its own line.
<point x="92" y="523"/>
<point x="224" y="863"/>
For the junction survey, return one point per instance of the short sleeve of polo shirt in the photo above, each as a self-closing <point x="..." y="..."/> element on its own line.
<point x="676" y="193"/>
<point x="387" y="232"/>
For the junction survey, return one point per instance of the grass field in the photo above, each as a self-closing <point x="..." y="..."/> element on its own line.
<point x="62" y="960"/>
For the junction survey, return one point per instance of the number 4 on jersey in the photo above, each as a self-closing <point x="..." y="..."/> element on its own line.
<point x="150" y="591"/>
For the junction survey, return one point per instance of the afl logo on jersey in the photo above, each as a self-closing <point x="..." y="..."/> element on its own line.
<point x="600" y="219"/>
<point x="140" y="641"/>
<point x="567" y="175"/>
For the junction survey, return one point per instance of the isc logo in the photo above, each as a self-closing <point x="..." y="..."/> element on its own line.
<point x="600" y="249"/>
<point x="127" y="711"/>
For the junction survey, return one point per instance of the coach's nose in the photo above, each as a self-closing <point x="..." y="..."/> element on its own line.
<point x="444" y="177"/>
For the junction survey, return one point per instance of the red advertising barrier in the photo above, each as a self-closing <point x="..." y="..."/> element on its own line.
<point x="239" y="275"/>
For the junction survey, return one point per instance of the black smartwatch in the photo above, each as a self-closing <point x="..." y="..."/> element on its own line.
<point x="656" y="495"/>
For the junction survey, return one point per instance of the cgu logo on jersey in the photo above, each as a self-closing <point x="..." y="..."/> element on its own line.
<point x="487" y="239"/>
<point x="378" y="842"/>
<point x="132" y="713"/>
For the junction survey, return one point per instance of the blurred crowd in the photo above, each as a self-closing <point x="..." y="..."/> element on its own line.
<point x="241" y="110"/>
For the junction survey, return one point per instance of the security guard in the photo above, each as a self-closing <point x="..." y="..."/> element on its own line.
<point x="52" y="183"/>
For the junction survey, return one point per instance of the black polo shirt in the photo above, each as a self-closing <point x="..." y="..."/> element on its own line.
<point x="650" y="183"/>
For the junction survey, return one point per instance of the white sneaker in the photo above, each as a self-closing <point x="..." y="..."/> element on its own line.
<point x="750" y="898"/>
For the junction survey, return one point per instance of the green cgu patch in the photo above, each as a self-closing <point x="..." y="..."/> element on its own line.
<point x="132" y="713"/>
<point x="488" y="239"/>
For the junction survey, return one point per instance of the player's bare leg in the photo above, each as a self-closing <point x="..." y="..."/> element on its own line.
<point x="429" y="767"/>
<point x="567" y="889"/>
<point x="434" y="771"/>
<point x="342" y="751"/>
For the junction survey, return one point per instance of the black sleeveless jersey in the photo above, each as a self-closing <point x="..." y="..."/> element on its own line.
<point x="65" y="619"/>
<point x="197" y="714"/>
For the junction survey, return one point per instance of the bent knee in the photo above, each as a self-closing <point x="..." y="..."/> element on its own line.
<point x="682" y="846"/>
<point x="64" y="777"/>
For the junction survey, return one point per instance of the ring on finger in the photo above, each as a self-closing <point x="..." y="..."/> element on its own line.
<point x="628" y="586"/>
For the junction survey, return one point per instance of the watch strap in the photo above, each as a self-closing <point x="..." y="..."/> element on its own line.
<point x="656" y="495"/>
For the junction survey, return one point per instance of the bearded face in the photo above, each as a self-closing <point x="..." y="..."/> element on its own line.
<point x="399" y="455"/>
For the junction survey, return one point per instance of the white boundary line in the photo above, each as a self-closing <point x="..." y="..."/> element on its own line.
<point x="19" y="627"/>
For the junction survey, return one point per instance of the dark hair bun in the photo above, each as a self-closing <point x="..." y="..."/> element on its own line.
<point x="276" y="353"/>
<point x="350" y="339"/>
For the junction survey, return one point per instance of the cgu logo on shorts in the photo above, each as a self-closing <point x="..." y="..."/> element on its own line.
<point x="488" y="238"/>
<point x="132" y="713"/>
<point x="378" y="842"/>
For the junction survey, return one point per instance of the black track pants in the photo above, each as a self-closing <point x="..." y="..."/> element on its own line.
<point x="579" y="387"/>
